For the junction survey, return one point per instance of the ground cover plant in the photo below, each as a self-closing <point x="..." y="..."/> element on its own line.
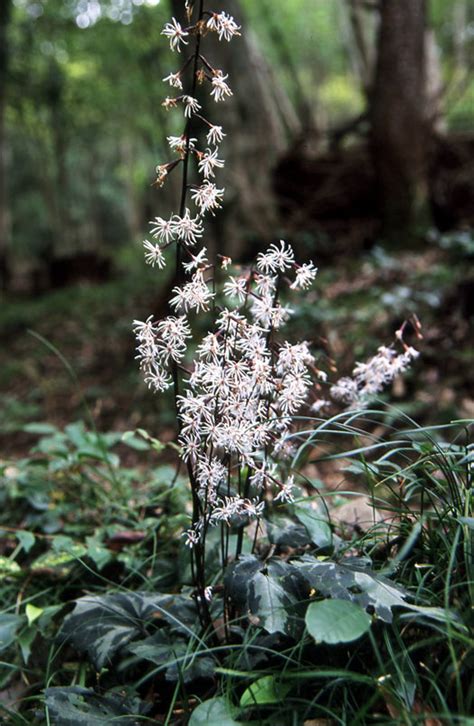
<point x="225" y="588"/>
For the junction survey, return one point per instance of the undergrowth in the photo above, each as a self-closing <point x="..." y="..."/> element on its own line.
<point x="80" y="527"/>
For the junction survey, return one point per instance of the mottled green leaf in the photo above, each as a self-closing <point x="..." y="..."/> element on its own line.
<point x="268" y="600"/>
<point x="238" y="576"/>
<point x="8" y="567"/>
<point x="286" y="533"/>
<point x="77" y="706"/>
<point x="101" y="626"/>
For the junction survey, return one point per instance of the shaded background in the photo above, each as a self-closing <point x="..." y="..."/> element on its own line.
<point x="350" y="133"/>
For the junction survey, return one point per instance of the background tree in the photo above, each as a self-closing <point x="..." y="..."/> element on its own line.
<point x="400" y="127"/>
<point x="5" y="14"/>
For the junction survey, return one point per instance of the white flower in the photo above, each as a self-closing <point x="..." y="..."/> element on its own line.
<point x="381" y="369"/>
<point x="176" y="34"/>
<point x="192" y="538"/>
<point x="262" y="476"/>
<point x="345" y="390"/>
<point x="293" y="358"/>
<point x="154" y="255"/>
<point x="207" y="196"/>
<point x="209" y="162"/>
<point x="210" y="347"/>
<point x="269" y="315"/>
<point x="305" y="275"/>
<point x="145" y="331"/>
<point x="237" y="287"/>
<point x="319" y="405"/>
<point x="224" y="25"/>
<point x="163" y="229"/>
<point x="158" y="379"/>
<point x="280" y="315"/>
<point x="235" y="506"/>
<point x="187" y="229"/>
<point x="174" y="333"/>
<point x="174" y="79"/>
<point x="286" y="492"/>
<point x="194" y="295"/>
<point x="191" y="105"/>
<point x="220" y="89"/>
<point x="169" y="103"/>
<point x="179" y="143"/>
<point x="294" y="392"/>
<point x="265" y="284"/>
<point x="215" y="135"/>
<point x="276" y="258"/>
<point x="196" y="261"/>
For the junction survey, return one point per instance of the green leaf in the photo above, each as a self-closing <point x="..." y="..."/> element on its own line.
<point x="266" y="690"/>
<point x="164" y="650"/>
<point x="358" y="584"/>
<point x="469" y="521"/>
<point x="8" y="567"/>
<point x="336" y="621"/>
<point x="9" y="625"/>
<point x="26" y="539"/>
<point x="215" y="712"/>
<point x="47" y="616"/>
<point x="268" y="600"/>
<point x="238" y="576"/>
<point x="102" y="626"/>
<point x="98" y="553"/>
<point x="135" y="442"/>
<point x="316" y="524"/>
<point x="32" y="613"/>
<point x="43" y="429"/>
<point x="77" y="706"/>
<point x="25" y="641"/>
<point x="60" y="560"/>
<point x="285" y="533"/>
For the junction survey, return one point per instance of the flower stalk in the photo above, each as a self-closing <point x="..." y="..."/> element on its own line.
<point x="237" y="403"/>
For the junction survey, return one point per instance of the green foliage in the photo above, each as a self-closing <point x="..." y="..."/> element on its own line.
<point x="216" y="711"/>
<point x="102" y="626"/>
<point x="75" y="706"/>
<point x="266" y="690"/>
<point x="336" y="621"/>
<point x="310" y="617"/>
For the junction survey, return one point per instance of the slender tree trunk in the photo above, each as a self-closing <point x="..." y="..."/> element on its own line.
<point x="5" y="14"/>
<point x="460" y="34"/>
<point x="400" y="130"/>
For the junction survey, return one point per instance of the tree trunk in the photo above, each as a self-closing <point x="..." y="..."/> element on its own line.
<point x="400" y="129"/>
<point x="5" y="14"/>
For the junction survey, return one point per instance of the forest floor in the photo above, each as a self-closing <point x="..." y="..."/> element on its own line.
<point x="69" y="354"/>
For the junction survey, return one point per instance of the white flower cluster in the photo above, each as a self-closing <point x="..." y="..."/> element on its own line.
<point x="370" y="378"/>
<point x="237" y="405"/>
<point x="207" y="196"/>
<point x="159" y="344"/>
<point x="185" y="229"/>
